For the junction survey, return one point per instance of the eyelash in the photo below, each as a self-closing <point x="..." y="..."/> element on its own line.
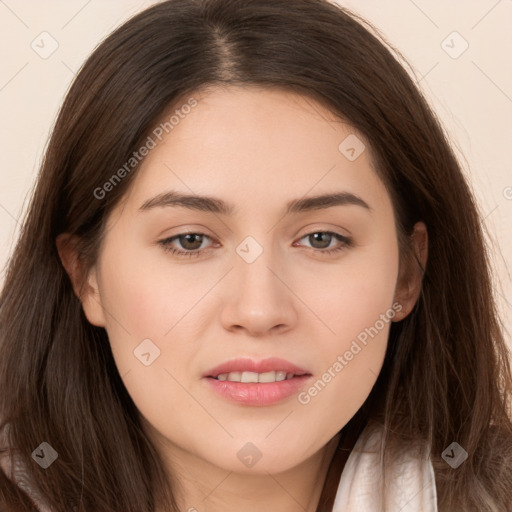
<point x="166" y="244"/>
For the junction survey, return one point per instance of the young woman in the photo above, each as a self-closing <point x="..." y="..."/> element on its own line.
<point x="252" y="276"/>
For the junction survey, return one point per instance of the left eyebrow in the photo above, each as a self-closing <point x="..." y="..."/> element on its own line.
<point x="324" y="201"/>
<point x="216" y="205"/>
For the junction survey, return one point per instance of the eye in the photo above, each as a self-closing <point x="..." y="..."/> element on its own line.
<point x="192" y="243"/>
<point x="189" y="242"/>
<point x="323" y="239"/>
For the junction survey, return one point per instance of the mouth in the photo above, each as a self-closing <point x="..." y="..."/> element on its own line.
<point x="257" y="383"/>
<point x="253" y="377"/>
<point x="272" y="369"/>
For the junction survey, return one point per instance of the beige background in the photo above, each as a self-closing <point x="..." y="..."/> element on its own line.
<point x="471" y="92"/>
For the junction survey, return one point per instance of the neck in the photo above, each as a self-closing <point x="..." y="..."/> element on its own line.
<point x="204" y="487"/>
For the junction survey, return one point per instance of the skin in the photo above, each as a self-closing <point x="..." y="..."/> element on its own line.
<point x="259" y="149"/>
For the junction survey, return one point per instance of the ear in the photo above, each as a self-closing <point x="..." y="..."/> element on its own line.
<point x="410" y="275"/>
<point x="84" y="281"/>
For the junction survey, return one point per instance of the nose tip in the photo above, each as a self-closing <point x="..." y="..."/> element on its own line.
<point x="260" y="303"/>
<point x="258" y="328"/>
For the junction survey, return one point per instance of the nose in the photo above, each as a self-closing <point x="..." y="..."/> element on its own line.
<point x="258" y="297"/>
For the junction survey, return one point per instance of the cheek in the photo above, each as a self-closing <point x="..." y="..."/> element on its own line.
<point x="145" y="296"/>
<point x="351" y="296"/>
<point x="142" y="308"/>
<point x="149" y="311"/>
<point x="355" y="302"/>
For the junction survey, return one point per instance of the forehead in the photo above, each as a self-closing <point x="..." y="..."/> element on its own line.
<point x="256" y="144"/>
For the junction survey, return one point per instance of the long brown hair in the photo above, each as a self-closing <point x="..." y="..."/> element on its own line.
<point x="446" y="376"/>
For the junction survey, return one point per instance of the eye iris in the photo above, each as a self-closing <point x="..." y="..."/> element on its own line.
<point x="319" y="237"/>
<point x="192" y="235"/>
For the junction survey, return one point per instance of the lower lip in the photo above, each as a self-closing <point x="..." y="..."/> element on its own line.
<point x="257" y="394"/>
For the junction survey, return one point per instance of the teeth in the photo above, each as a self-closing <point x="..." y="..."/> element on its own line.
<point x="266" y="377"/>
<point x="247" y="377"/>
<point x="282" y="376"/>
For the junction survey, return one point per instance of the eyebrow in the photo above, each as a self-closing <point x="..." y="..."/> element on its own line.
<point x="218" y="206"/>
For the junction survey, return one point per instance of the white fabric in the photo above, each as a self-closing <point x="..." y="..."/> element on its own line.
<point x="410" y="483"/>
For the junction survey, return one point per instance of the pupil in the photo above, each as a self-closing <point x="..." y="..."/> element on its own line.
<point x="188" y="241"/>
<point x="319" y="236"/>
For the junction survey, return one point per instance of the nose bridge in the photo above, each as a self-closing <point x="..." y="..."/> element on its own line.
<point x="259" y="299"/>
<point x="255" y="266"/>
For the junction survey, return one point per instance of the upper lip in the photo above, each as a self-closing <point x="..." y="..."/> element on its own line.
<point x="250" y="365"/>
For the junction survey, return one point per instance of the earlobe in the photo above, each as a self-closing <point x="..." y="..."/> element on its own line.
<point x="85" y="286"/>
<point x="91" y="300"/>
<point x="410" y="276"/>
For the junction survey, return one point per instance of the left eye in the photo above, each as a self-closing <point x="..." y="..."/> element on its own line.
<point x="187" y="241"/>
<point x="328" y="236"/>
<point x="192" y="242"/>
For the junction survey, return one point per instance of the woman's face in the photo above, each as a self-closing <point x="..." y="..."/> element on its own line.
<point x="258" y="283"/>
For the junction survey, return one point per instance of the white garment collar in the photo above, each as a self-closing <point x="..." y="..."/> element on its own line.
<point x="411" y="483"/>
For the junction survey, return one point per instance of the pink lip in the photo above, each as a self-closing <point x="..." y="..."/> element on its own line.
<point x="249" y="365"/>
<point x="252" y="393"/>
